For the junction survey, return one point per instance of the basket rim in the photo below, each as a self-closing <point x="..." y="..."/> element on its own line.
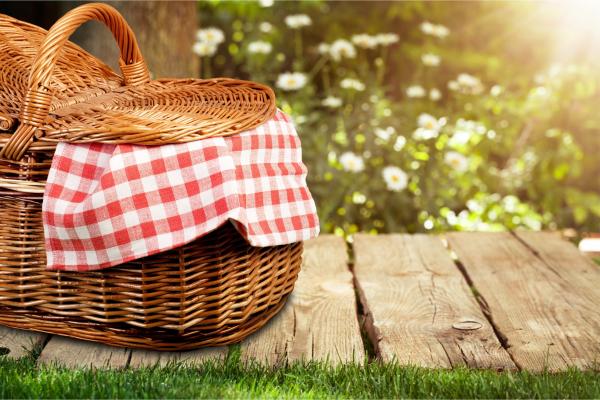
<point x="212" y="107"/>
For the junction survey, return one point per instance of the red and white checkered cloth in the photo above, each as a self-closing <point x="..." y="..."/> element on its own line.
<point x="108" y="204"/>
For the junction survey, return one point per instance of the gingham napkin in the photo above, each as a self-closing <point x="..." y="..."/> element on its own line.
<point x="108" y="204"/>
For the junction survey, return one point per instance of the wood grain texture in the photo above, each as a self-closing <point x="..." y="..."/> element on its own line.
<point x="567" y="263"/>
<point x="270" y="345"/>
<point x="165" y="31"/>
<point x="540" y="303"/>
<point x="320" y="320"/>
<point x="420" y="310"/>
<point x="147" y="358"/>
<point x="16" y="343"/>
<point x="74" y="353"/>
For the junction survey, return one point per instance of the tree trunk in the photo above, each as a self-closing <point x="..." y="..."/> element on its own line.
<point x="165" y="31"/>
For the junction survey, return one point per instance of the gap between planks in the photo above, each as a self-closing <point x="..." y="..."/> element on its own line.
<point x="319" y="321"/>
<point x="420" y="310"/>
<point x="541" y="293"/>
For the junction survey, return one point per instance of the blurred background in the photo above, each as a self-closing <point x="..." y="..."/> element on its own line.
<point x="414" y="116"/>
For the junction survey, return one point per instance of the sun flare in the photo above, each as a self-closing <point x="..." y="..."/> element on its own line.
<point x="577" y="29"/>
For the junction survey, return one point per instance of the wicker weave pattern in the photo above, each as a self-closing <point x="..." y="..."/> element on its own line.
<point x="213" y="291"/>
<point x="209" y="292"/>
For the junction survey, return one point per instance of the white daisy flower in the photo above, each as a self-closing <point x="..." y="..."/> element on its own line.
<point x="424" y="134"/>
<point x="474" y="127"/>
<point x="365" y="41"/>
<point x="297" y="21"/>
<point x="259" y="47"/>
<point x="385" y="134"/>
<point x="456" y="161"/>
<point x="265" y="27"/>
<point x="400" y="143"/>
<point x="429" y="127"/>
<point x="468" y="80"/>
<point x="204" y="49"/>
<point x="496" y="90"/>
<point x="459" y="138"/>
<point x="453" y="85"/>
<point x="212" y="36"/>
<point x="430" y="59"/>
<point x="352" y="162"/>
<point x="466" y="84"/>
<point x="342" y="48"/>
<point x="323" y="48"/>
<point x="291" y="80"/>
<point x="428" y="121"/>
<point x="415" y="91"/>
<point x="351" y="83"/>
<point x="439" y="31"/>
<point x="435" y="94"/>
<point x="427" y="27"/>
<point x="395" y="179"/>
<point x="332" y="102"/>
<point x="386" y="39"/>
<point x="266" y="3"/>
<point x="510" y="203"/>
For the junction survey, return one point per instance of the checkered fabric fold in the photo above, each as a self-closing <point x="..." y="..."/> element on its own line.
<point x="107" y="204"/>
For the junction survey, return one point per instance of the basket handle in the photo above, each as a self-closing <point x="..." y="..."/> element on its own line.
<point x="38" y="98"/>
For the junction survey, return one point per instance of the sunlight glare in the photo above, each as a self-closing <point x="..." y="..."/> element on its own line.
<point x="577" y="30"/>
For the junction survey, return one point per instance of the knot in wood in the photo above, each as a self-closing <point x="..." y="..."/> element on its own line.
<point x="467" y="325"/>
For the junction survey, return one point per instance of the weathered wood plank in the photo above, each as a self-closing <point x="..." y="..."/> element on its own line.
<point x="567" y="262"/>
<point x="16" y="343"/>
<point x="148" y="358"/>
<point x="547" y="314"/>
<point x="319" y="322"/>
<point x="74" y="353"/>
<point x="420" y="309"/>
<point x="270" y="345"/>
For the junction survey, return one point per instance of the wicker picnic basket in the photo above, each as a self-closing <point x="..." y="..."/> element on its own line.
<point x="213" y="291"/>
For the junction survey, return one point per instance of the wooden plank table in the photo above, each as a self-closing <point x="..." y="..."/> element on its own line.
<point x="522" y="300"/>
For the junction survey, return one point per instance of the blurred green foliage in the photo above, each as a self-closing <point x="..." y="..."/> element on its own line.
<point x="488" y="131"/>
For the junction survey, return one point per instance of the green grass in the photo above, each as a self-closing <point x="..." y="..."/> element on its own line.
<point x="229" y="379"/>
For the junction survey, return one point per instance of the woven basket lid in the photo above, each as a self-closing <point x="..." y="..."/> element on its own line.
<point x="51" y="90"/>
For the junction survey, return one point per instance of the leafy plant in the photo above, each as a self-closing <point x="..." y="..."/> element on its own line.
<point x="412" y="125"/>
